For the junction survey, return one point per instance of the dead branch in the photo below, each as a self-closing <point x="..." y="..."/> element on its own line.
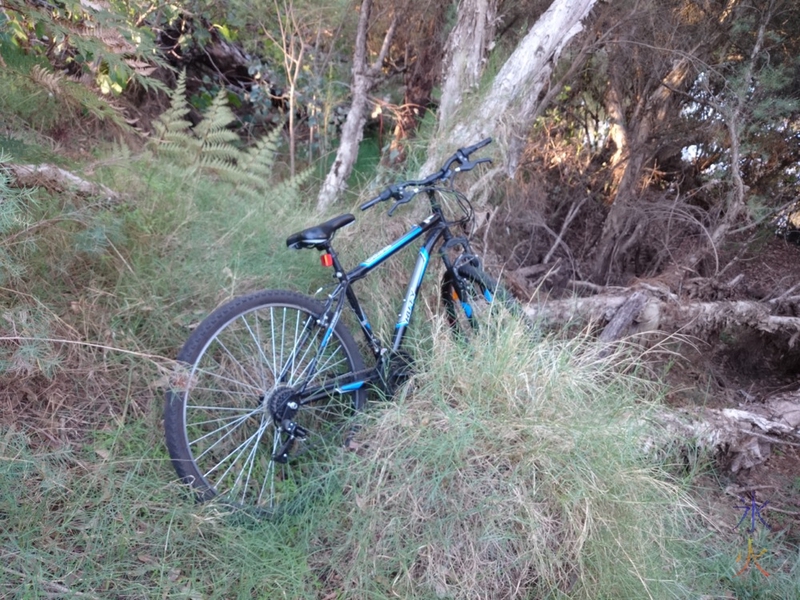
<point x="52" y="177"/>
<point x="744" y="437"/>
<point x="573" y="211"/>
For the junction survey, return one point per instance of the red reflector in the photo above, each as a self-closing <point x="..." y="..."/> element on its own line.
<point x="326" y="260"/>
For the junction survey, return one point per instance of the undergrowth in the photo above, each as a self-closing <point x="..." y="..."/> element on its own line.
<point x="515" y="467"/>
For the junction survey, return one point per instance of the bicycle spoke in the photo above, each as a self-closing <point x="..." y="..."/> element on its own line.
<point x="250" y="460"/>
<point x="260" y="349"/>
<point x="234" y="382"/>
<point x="238" y="364"/>
<point x="238" y="451"/>
<point x="241" y="373"/>
<point x="231" y="430"/>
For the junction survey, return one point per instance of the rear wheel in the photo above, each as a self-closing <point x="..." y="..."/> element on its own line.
<point x="238" y="425"/>
<point x="478" y="293"/>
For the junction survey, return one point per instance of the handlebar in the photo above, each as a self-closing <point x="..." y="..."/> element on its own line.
<point x="446" y="173"/>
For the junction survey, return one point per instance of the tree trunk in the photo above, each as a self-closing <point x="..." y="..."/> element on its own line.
<point x="507" y="109"/>
<point x="635" y="148"/>
<point x="466" y="50"/>
<point x="364" y="78"/>
<point x="423" y="66"/>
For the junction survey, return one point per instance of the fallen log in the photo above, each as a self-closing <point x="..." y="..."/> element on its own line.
<point x="742" y="437"/>
<point x="52" y="177"/>
<point x="650" y="313"/>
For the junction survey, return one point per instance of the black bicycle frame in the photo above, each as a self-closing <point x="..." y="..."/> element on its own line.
<point x="437" y="228"/>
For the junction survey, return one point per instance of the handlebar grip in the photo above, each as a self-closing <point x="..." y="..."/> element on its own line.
<point x="385" y="195"/>
<point x="470" y="149"/>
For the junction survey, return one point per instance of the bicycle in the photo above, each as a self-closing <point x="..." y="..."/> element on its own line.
<point x="270" y="381"/>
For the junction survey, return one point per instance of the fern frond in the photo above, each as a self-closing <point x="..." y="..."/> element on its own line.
<point x="259" y="160"/>
<point x="47" y="79"/>
<point x="212" y="146"/>
<point x="226" y="169"/>
<point x="172" y="121"/>
<point x="220" y="151"/>
<point x="216" y="121"/>
<point x="290" y="190"/>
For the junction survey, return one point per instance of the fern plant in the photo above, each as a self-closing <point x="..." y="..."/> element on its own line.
<point x="100" y="42"/>
<point x="13" y="218"/>
<point x="213" y="147"/>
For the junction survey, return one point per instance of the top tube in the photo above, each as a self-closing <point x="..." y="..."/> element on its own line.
<point x="367" y="265"/>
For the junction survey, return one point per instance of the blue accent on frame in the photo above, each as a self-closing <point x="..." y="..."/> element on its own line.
<point x="467" y="309"/>
<point x="352" y="386"/>
<point x="488" y="295"/>
<point x="419" y="273"/>
<point x="380" y="255"/>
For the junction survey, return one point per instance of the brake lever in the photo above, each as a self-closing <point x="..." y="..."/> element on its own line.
<point x="468" y="166"/>
<point x="405" y="199"/>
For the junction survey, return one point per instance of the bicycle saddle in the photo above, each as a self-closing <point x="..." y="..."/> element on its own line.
<point x="319" y="235"/>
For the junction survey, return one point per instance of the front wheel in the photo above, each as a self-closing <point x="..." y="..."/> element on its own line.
<point x="469" y="296"/>
<point x="263" y="396"/>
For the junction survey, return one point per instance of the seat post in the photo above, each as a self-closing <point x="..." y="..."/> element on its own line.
<point x="337" y="265"/>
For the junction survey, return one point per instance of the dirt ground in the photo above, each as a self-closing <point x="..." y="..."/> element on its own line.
<point x="743" y="368"/>
<point x="733" y="368"/>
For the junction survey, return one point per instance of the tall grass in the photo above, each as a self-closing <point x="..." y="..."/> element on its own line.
<point x="513" y="467"/>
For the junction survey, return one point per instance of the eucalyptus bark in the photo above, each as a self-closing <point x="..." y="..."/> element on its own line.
<point x="365" y="76"/>
<point x="467" y="45"/>
<point x="507" y="109"/>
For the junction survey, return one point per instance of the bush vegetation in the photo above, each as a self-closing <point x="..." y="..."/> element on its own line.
<point x="516" y="467"/>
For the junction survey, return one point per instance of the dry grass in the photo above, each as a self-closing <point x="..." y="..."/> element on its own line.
<point x="511" y="470"/>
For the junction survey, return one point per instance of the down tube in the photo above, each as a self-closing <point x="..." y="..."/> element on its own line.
<point x="413" y="288"/>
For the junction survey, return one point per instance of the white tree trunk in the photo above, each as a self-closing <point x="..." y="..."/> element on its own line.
<point x="508" y="107"/>
<point x="364" y="77"/>
<point x="467" y="45"/>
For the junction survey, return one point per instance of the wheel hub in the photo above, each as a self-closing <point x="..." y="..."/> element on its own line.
<point x="282" y="404"/>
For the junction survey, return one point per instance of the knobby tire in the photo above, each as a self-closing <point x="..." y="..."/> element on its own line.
<point x="218" y="417"/>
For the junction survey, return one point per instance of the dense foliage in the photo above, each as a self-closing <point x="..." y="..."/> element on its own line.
<point x="665" y="145"/>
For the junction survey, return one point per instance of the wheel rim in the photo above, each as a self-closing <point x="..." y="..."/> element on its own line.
<point x="229" y="428"/>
